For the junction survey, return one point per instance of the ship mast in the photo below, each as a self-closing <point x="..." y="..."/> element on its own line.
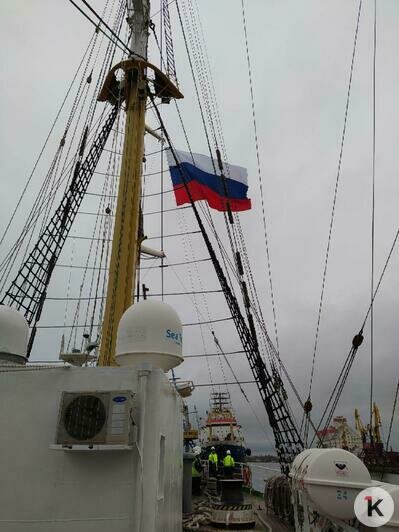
<point x="126" y="238"/>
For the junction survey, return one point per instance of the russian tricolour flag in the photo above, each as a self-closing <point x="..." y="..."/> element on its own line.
<point x="195" y="176"/>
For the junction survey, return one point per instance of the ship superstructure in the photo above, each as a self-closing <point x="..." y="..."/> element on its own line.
<point x="222" y="430"/>
<point x="221" y="424"/>
<point x="340" y="435"/>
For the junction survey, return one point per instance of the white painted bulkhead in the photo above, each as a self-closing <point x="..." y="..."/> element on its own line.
<point x="48" y="490"/>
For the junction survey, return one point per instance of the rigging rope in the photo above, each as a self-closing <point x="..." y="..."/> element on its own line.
<point x="357" y="340"/>
<point x="118" y="43"/>
<point x="43" y="198"/>
<point x="44" y="145"/>
<point x="334" y="199"/>
<point x="373" y="220"/>
<point x="204" y="209"/>
<point x="392" y="417"/>
<point x="180" y="217"/>
<point x="262" y="425"/>
<point x="265" y="231"/>
<point x="201" y="61"/>
<point x="234" y="231"/>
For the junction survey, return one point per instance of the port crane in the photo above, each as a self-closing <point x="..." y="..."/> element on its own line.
<point x="372" y="431"/>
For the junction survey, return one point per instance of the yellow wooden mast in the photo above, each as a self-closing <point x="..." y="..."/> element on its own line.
<point x="126" y="238"/>
<point x="125" y="245"/>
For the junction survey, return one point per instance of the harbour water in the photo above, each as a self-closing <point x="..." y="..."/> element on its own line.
<point x="262" y="471"/>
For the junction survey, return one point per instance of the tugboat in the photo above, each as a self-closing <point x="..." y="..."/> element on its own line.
<point x="222" y="432"/>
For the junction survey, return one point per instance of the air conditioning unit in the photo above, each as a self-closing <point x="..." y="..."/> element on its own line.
<point x="95" y="419"/>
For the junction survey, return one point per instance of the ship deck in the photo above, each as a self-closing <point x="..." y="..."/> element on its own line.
<point x="263" y="520"/>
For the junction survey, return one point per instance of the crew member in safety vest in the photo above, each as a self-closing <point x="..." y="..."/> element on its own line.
<point x="228" y="464"/>
<point x="213" y="462"/>
<point x="196" y="473"/>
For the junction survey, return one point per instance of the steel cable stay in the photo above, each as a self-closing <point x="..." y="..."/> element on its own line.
<point x="200" y="317"/>
<point x="287" y="439"/>
<point x="109" y="184"/>
<point x="266" y="236"/>
<point x="270" y="348"/>
<point x="181" y="216"/>
<point x="198" y="65"/>
<point x="149" y="294"/>
<point x="33" y="217"/>
<point x="201" y="69"/>
<point x="198" y="50"/>
<point x="207" y="87"/>
<point x="29" y="226"/>
<point x="105" y="223"/>
<point x="233" y="269"/>
<point x="308" y="403"/>
<point x="86" y="79"/>
<point x="83" y="325"/>
<point x="35" y="273"/>
<point x="209" y="217"/>
<point x="4" y="234"/>
<point x="201" y="61"/>
<point x="356" y="342"/>
<point x="38" y="208"/>
<point x="79" y="102"/>
<point x="189" y="240"/>
<point x="114" y="39"/>
<point x="392" y="416"/>
<point x="205" y="210"/>
<point x="219" y="347"/>
<point x="95" y="279"/>
<point x="373" y="219"/>
<point x="73" y="333"/>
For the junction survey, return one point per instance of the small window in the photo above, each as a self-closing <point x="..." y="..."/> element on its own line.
<point x="161" y="466"/>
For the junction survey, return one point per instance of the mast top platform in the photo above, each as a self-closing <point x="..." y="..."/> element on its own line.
<point x="113" y="91"/>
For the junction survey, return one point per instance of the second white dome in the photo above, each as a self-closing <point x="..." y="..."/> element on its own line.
<point x="150" y="331"/>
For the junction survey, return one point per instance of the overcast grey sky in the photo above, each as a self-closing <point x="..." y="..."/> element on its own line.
<point x="300" y="53"/>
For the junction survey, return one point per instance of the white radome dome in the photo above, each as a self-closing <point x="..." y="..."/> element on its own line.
<point x="150" y="331"/>
<point x="14" y="335"/>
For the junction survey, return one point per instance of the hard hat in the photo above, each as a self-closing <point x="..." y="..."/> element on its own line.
<point x="212" y="448"/>
<point x="228" y="451"/>
<point x="197" y="450"/>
